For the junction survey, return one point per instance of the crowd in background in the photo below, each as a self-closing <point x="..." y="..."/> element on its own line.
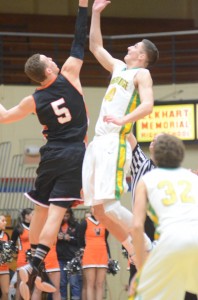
<point x="77" y="263"/>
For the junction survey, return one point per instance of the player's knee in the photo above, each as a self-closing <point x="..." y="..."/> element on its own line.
<point x="118" y="213"/>
<point x="111" y="208"/>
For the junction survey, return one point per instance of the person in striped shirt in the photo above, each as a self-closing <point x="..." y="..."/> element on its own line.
<point x="140" y="165"/>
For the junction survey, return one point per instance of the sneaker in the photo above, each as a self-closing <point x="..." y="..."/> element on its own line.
<point x="27" y="271"/>
<point x="43" y="281"/>
<point x="30" y="275"/>
<point x="44" y="286"/>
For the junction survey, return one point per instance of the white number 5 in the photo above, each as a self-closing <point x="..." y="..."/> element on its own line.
<point x="63" y="112"/>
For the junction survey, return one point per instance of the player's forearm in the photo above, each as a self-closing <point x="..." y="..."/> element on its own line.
<point x="132" y="140"/>
<point x="139" y="246"/>
<point x="83" y="3"/>
<point x="140" y="112"/>
<point x="78" y="45"/>
<point x="95" y="37"/>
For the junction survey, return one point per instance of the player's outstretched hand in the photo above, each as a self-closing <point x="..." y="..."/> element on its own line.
<point x="99" y="5"/>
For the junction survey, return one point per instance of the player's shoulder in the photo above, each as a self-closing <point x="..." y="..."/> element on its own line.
<point x="142" y="76"/>
<point x="151" y="173"/>
<point x="29" y="98"/>
<point x="143" y="72"/>
<point x="189" y="173"/>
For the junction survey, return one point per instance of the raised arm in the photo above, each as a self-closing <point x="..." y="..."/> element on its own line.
<point x="95" y="38"/>
<point x="72" y="66"/>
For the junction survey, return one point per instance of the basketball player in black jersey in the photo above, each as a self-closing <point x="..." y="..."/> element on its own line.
<point x="60" y="108"/>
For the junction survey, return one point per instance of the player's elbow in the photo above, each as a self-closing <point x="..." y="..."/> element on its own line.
<point x="148" y="108"/>
<point x="4" y="119"/>
<point x="92" y="47"/>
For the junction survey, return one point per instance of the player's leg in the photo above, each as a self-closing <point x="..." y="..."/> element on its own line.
<point x="118" y="220"/>
<point x="114" y="227"/>
<point x="46" y="240"/>
<point x="48" y="234"/>
<point x="37" y="223"/>
<point x="50" y="230"/>
<point x="121" y="215"/>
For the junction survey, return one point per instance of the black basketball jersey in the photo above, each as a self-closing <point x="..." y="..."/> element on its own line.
<point x="61" y="110"/>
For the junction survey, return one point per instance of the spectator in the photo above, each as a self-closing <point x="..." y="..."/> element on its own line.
<point x="20" y="237"/>
<point x="93" y="238"/>
<point x="67" y="246"/>
<point x="4" y="268"/>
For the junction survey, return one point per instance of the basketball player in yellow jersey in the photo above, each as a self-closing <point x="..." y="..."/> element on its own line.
<point x="129" y="98"/>
<point x="171" y="192"/>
